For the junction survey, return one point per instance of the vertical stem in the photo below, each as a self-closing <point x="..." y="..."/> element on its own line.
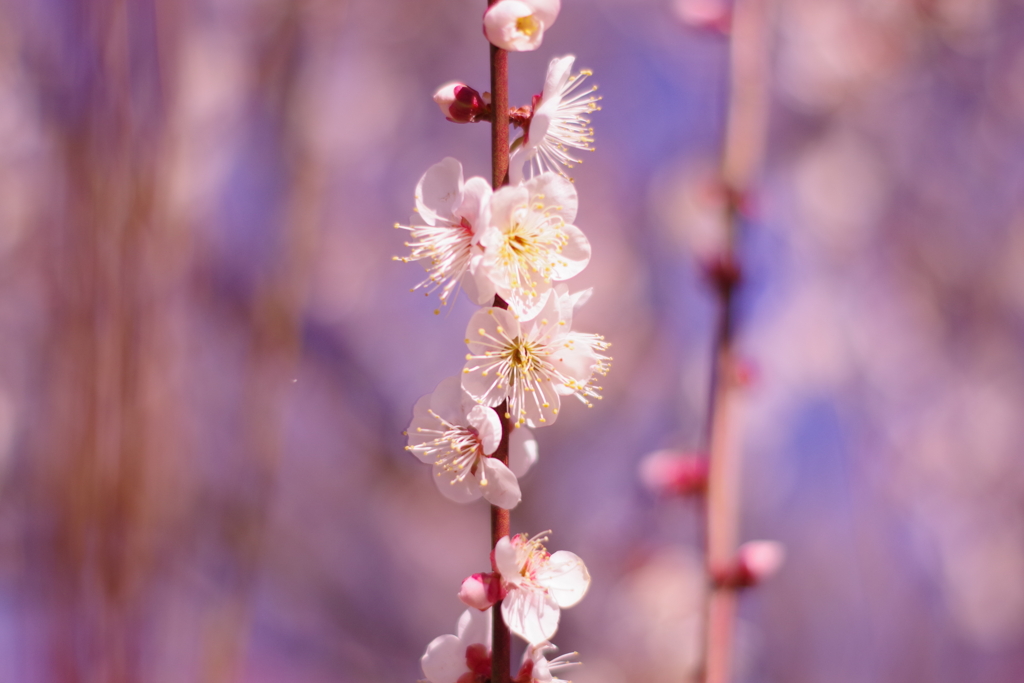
<point x="501" y="645"/>
<point x="742" y="151"/>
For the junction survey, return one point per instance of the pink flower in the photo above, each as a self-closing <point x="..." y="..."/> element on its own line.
<point x="445" y="236"/>
<point x="558" y="124"/>
<point x="518" y="25"/>
<point x="531" y="242"/>
<point x="462" y="658"/>
<point x="457" y="436"/>
<point x="537" y="584"/>
<point x="532" y="364"/>
<point x="755" y="562"/>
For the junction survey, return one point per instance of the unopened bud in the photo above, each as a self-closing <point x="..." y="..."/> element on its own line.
<point x="705" y="15"/>
<point x="460" y="103"/>
<point x="481" y="591"/>
<point x="755" y="562"/>
<point x="673" y="473"/>
<point x="518" y="25"/>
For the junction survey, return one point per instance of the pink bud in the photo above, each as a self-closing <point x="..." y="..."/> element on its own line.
<point x="708" y="15"/>
<point x="674" y="473"/>
<point x="755" y="562"/>
<point x="460" y="103"/>
<point x="761" y="559"/>
<point x="481" y="591"/>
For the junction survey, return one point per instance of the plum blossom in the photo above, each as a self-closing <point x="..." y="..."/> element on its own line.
<point x="532" y="242"/>
<point x="537" y="584"/>
<point x="518" y="25"/>
<point x="461" y="658"/>
<point x="537" y="668"/>
<point x="558" y="123"/>
<point x="450" y="431"/>
<point x="531" y="364"/>
<point x="445" y="237"/>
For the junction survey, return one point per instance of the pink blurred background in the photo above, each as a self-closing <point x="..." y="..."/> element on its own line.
<point x="209" y="356"/>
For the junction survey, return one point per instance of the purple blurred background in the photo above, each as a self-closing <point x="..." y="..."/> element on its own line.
<point x="209" y="356"/>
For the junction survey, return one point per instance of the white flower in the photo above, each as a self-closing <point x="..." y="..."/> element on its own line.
<point x="518" y="25"/>
<point x="531" y="241"/>
<point x="445" y="238"/>
<point x="449" y="658"/>
<point x="538" y="585"/>
<point x="532" y="364"/>
<point x="455" y="435"/>
<point x="558" y="123"/>
<point x="537" y="668"/>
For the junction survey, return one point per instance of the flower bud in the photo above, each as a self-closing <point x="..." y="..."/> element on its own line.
<point x="481" y="591"/>
<point x="674" y="473"/>
<point x="460" y="103"/>
<point x="518" y="25"/>
<point x="755" y="562"/>
<point x="707" y="15"/>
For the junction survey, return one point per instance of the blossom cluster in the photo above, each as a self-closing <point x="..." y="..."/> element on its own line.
<point x="512" y="251"/>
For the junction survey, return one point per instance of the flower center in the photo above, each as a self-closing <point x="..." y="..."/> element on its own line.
<point x="531" y="248"/>
<point x="527" y="25"/>
<point x="455" y="448"/>
<point x="521" y="355"/>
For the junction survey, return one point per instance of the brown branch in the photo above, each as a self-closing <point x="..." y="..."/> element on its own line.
<point x="742" y="152"/>
<point x="501" y="644"/>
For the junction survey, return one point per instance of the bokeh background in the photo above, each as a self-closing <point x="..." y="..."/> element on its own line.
<point x="207" y="355"/>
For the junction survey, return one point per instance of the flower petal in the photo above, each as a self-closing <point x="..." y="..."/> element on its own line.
<point x="566" y="578"/>
<point x="446" y="401"/>
<point x="445" y="660"/>
<point x="542" y="403"/>
<point x="575" y="254"/>
<point x="522" y="451"/>
<point x="464" y="490"/>
<point x="439" y="191"/>
<point x="558" y="195"/>
<point x="530" y="614"/>
<point x="505" y="561"/>
<point x="502" y="488"/>
<point x="558" y="69"/>
<point x="476" y="204"/>
<point x="546" y="11"/>
<point x="475" y="627"/>
<point x="487" y="425"/>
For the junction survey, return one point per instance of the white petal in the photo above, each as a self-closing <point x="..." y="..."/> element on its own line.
<point x="565" y="577"/>
<point x="575" y="254"/>
<point x="487" y="425"/>
<point x="446" y="401"/>
<point x="476" y="283"/>
<point x="505" y="559"/>
<point x="559" y="195"/>
<point x="475" y="627"/>
<point x="547" y="12"/>
<point x="576" y="363"/>
<point x="530" y="614"/>
<point x="520" y="155"/>
<point x="503" y="205"/>
<point x="522" y="451"/>
<point x="476" y="204"/>
<point x="445" y="660"/>
<point x="558" y="71"/>
<point x="439" y="191"/>
<point x="502" y="488"/>
<point x="465" y="491"/>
